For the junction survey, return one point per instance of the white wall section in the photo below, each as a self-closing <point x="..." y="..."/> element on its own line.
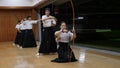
<point x="18" y="2"/>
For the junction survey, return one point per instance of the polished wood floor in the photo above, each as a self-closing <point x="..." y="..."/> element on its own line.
<point x="13" y="57"/>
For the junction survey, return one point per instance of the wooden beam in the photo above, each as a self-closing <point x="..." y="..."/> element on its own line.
<point x="43" y="3"/>
<point x="38" y="5"/>
<point x="16" y="7"/>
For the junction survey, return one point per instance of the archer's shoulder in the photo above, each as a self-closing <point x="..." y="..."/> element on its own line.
<point x="43" y="15"/>
<point x="57" y="31"/>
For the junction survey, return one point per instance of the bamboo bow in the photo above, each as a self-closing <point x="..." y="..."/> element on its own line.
<point x="73" y="42"/>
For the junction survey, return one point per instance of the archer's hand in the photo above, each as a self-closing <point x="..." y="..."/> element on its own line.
<point x="73" y="30"/>
<point x="39" y="20"/>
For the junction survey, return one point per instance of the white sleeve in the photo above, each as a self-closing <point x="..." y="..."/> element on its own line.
<point x="53" y="21"/>
<point x="43" y="17"/>
<point x="24" y="22"/>
<point x="20" y="25"/>
<point x="33" y="21"/>
<point x="70" y="34"/>
<point x="17" y="26"/>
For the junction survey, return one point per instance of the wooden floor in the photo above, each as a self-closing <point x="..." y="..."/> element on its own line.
<point x="13" y="57"/>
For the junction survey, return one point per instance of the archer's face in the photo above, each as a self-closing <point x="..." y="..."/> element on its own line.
<point x="47" y="12"/>
<point x="29" y="18"/>
<point x="63" y="26"/>
<point x="24" y="19"/>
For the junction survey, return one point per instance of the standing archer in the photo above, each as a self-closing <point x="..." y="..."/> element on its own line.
<point x="28" y="39"/>
<point x="18" y="34"/>
<point x="48" y="44"/>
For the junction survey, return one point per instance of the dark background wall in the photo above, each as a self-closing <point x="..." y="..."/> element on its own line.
<point x="100" y="23"/>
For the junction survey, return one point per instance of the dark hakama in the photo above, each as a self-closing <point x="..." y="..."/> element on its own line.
<point x="28" y="39"/>
<point x="48" y="43"/>
<point x="18" y="38"/>
<point x="22" y="37"/>
<point x="65" y="54"/>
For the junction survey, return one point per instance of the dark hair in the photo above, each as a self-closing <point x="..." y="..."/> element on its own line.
<point x="62" y="22"/>
<point x="18" y="21"/>
<point x="47" y="9"/>
<point x="66" y="25"/>
<point x="28" y="17"/>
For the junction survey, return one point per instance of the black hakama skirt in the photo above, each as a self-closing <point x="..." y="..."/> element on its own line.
<point x="65" y="54"/>
<point x="48" y="43"/>
<point x="18" y="38"/>
<point x="28" y="39"/>
<point x="22" y="37"/>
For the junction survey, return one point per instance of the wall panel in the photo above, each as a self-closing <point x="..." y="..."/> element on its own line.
<point x="8" y="20"/>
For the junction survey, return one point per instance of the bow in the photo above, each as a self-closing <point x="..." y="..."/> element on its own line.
<point x="73" y="42"/>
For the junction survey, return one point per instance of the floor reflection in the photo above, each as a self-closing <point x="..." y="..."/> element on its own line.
<point x="22" y="63"/>
<point x="82" y="55"/>
<point x="13" y="57"/>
